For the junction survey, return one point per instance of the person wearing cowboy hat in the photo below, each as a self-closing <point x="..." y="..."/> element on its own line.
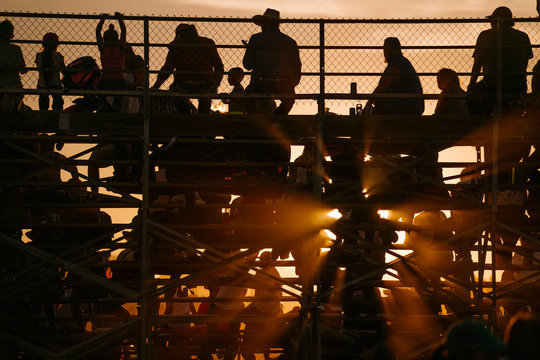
<point x="274" y="61"/>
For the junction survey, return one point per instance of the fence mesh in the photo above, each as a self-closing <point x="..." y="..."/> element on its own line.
<point x="352" y="48"/>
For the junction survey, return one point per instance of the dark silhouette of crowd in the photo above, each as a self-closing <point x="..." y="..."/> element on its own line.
<point x="436" y="277"/>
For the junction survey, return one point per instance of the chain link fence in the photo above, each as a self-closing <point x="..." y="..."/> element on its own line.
<point x="352" y="48"/>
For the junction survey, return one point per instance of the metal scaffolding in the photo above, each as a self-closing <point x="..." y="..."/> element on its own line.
<point x="66" y="292"/>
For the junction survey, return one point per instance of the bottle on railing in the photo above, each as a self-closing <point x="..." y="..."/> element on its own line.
<point x="359" y="109"/>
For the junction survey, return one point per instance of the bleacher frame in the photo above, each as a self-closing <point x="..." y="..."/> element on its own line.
<point x="319" y="131"/>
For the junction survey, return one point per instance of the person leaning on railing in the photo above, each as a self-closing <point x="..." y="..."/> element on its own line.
<point x="197" y="66"/>
<point x="398" y="78"/>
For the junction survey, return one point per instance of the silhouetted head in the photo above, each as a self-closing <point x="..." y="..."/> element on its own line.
<point x="521" y="336"/>
<point x="235" y="77"/>
<point x="503" y="15"/>
<point x="110" y="35"/>
<point x="186" y="32"/>
<point x="470" y="339"/>
<point x="391" y="48"/>
<point x="267" y="21"/>
<point x="6" y="30"/>
<point x="446" y="77"/>
<point x="50" y="41"/>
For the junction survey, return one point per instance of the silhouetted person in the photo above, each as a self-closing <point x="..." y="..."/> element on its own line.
<point x="112" y="48"/>
<point x="452" y="101"/>
<point x="448" y="104"/>
<point x="235" y="77"/>
<point x="471" y="340"/>
<point x="275" y="62"/>
<point x="521" y="336"/>
<point x="262" y="335"/>
<point x="50" y="62"/>
<point x="11" y="66"/>
<point x="515" y="54"/>
<point x="195" y="63"/>
<point x="399" y="77"/>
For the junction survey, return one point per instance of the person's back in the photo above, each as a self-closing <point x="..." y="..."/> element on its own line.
<point x="399" y="77"/>
<point x="408" y="83"/>
<point x="11" y="59"/>
<point x="452" y="100"/>
<point x="272" y="54"/>
<point x="515" y="54"/>
<point x="9" y="75"/>
<point x="197" y="55"/>
<point x="50" y="62"/>
<point x="275" y="62"/>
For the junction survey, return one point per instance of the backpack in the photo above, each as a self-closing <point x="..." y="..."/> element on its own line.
<point x="81" y="74"/>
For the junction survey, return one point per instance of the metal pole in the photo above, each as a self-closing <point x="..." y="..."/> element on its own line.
<point x="144" y="303"/>
<point x="495" y="168"/>
<point x="316" y="309"/>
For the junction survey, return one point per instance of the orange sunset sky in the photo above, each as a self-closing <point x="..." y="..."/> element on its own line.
<point x="288" y="8"/>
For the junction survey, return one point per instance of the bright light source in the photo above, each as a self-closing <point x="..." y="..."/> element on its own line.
<point x="330" y="234"/>
<point x="335" y="214"/>
<point x="219" y="106"/>
<point x="384" y="214"/>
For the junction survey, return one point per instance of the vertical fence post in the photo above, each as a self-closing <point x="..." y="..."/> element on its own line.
<point x="317" y="175"/>
<point x="495" y="169"/>
<point x="144" y="302"/>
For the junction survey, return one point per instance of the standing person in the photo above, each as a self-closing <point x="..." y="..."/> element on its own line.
<point x="50" y="62"/>
<point x="195" y="63"/>
<point x="275" y="62"/>
<point x="112" y="50"/>
<point x="515" y="54"/>
<point x="399" y="77"/>
<point x="12" y="65"/>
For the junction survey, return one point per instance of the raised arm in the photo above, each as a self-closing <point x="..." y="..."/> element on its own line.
<point x="99" y="27"/>
<point x="120" y="18"/>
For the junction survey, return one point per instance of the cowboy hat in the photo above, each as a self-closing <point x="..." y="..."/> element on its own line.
<point x="270" y="15"/>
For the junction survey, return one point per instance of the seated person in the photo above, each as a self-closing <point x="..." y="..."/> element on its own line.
<point x="448" y="82"/>
<point x="235" y="77"/>
<point x="399" y="77"/>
